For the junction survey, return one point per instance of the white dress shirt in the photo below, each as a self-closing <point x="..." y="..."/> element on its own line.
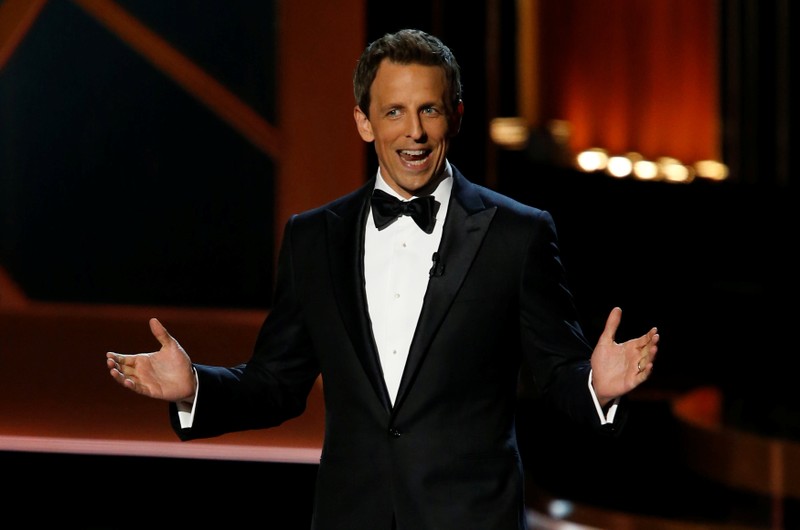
<point x="397" y="262"/>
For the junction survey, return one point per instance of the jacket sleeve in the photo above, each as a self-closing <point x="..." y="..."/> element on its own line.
<point x="274" y="384"/>
<point x="556" y="349"/>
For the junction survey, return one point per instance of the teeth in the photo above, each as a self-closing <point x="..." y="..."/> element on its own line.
<point x="415" y="157"/>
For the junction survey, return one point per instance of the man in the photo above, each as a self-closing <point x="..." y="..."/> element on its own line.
<point x="417" y="326"/>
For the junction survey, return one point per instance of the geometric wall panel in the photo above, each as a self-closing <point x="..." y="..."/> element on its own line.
<point x="117" y="185"/>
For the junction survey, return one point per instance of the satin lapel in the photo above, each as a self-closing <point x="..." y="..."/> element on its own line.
<point x="466" y="225"/>
<point x="345" y="221"/>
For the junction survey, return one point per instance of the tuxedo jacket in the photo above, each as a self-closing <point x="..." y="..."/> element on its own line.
<point x="445" y="455"/>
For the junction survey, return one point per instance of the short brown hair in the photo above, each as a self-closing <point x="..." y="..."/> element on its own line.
<point x="407" y="46"/>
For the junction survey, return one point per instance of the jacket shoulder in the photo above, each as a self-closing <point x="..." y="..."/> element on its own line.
<point x="473" y="194"/>
<point x="342" y="207"/>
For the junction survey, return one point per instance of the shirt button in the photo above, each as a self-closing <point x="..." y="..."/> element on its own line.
<point x="397" y="295"/>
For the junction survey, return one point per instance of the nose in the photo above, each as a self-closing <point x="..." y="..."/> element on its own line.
<point x="415" y="128"/>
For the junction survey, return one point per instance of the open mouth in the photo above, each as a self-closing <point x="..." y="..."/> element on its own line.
<point x="414" y="157"/>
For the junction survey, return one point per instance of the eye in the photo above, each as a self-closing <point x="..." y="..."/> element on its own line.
<point x="430" y="111"/>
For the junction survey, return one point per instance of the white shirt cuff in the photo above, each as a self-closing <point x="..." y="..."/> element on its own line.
<point x="612" y="410"/>
<point x="186" y="410"/>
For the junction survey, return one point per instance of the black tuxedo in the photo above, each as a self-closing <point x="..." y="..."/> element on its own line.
<point x="445" y="456"/>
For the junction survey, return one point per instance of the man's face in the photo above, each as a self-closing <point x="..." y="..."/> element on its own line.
<point x="410" y="125"/>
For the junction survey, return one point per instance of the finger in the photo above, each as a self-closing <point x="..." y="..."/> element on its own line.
<point x="115" y="357"/>
<point x="645" y="342"/>
<point x="160" y="332"/>
<point x="116" y="373"/>
<point x="612" y="324"/>
<point x="643" y="368"/>
<point x="115" y="361"/>
<point x="650" y="348"/>
<point x="642" y="364"/>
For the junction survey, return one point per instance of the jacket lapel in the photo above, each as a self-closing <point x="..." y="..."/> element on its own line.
<point x="466" y="225"/>
<point x="345" y="222"/>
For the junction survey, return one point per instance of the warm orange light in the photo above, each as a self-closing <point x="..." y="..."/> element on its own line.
<point x="674" y="171"/>
<point x="594" y="159"/>
<point x="645" y="170"/>
<point x="509" y="133"/>
<point x="711" y="169"/>
<point x="619" y="166"/>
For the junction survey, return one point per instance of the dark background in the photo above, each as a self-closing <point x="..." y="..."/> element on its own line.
<point x="116" y="187"/>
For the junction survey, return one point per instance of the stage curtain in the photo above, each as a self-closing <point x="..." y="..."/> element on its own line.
<point x="631" y="75"/>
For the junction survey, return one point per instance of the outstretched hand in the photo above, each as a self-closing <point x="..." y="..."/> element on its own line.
<point x="618" y="368"/>
<point x="164" y="374"/>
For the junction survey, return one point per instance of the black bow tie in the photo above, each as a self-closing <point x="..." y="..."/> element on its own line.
<point x="386" y="208"/>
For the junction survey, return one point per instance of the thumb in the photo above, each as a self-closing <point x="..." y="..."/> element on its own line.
<point x="612" y="324"/>
<point x="160" y="332"/>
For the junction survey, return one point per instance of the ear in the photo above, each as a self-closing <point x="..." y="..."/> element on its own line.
<point x="363" y="125"/>
<point x="455" y="119"/>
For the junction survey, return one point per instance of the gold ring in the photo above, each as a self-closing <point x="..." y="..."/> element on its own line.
<point x="639" y="366"/>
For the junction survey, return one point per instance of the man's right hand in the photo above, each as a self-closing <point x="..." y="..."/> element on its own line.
<point x="164" y="374"/>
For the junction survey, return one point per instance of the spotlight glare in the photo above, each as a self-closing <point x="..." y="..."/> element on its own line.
<point x="711" y="169"/>
<point x="592" y="160"/>
<point x="678" y="173"/>
<point x="645" y="170"/>
<point x="619" y="166"/>
<point x="509" y="133"/>
<point x="662" y="169"/>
